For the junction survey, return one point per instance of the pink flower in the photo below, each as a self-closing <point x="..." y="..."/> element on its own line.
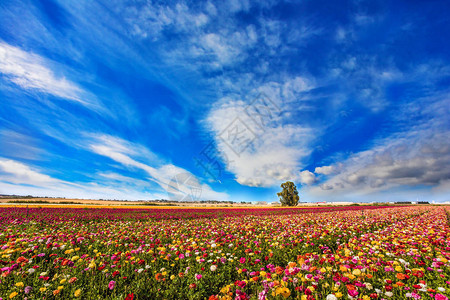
<point x="198" y="276"/>
<point x="111" y="285"/>
<point x="353" y="293"/>
<point x="440" y="297"/>
<point x="242" y="260"/>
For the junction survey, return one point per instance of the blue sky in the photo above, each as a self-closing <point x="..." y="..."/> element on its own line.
<point x="119" y="99"/>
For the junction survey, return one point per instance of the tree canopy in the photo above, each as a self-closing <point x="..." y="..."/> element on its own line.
<point x="289" y="194"/>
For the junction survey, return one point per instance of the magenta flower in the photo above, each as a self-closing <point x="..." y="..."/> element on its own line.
<point x="242" y="260"/>
<point x="440" y="297"/>
<point x="198" y="276"/>
<point x="111" y="285"/>
<point x="353" y="293"/>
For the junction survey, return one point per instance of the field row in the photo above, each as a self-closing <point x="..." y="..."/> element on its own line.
<point x="318" y="253"/>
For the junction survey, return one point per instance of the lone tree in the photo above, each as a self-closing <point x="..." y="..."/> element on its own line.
<point x="289" y="194"/>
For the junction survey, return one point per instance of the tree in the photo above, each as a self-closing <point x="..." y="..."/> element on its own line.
<point x="289" y="194"/>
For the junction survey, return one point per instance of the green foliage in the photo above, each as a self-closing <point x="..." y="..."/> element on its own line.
<point x="289" y="194"/>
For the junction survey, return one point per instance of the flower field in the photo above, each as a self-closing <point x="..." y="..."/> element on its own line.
<point x="328" y="253"/>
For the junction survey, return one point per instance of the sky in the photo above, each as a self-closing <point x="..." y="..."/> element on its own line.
<point x="225" y="100"/>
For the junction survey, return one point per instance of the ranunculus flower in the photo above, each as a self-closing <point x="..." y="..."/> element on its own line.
<point x="111" y="284"/>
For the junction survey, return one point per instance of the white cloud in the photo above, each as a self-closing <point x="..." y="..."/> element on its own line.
<point x="307" y="177"/>
<point x="149" y="21"/>
<point x="275" y="151"/>
<point x="326" y="170"/>
<point x="32" y="72"/>
<point x="418" y="159"/>
<point x="16" y="172"/>
<point x="131" y="156"/>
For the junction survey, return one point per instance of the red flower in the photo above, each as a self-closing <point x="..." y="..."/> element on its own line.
<point x="130" y="296"/>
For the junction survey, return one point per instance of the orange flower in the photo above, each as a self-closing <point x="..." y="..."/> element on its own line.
<point x="400" y="276"/>
<point x="213" y="297"/>
<point x="159" y="276"/>
<point x="22" y="259"/>
<point x="351" y="287"/>
<point x="369" y="276"/>
<point x="399" y="283"/>
<point x="181" y="274"/>
<point x="279" y="270"/>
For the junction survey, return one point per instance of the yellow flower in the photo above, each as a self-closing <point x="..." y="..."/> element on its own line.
<point x="172" y="277"/>
<point x="77" y="293"/>
<point x="285" y="292"/>
<point x="12" y="295"/>
<point x="42" y="289"/>
<point x="398" y="269"/>
<point x="356" y="272"/>
<point x="75" y="258"/>
<point x="19" y="284"/>
<point x="304" y="297"/>
<point x="338" y="294"/>
<point x="60" y="287"/>
<point x="62" y="281"/>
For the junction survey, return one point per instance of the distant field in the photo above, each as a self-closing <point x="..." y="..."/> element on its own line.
<point x="46" y="201"/>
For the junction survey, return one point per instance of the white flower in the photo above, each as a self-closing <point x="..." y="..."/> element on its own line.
<point x="213" y="268"/>
<point x="441" y="289"/>
<point x="31" y="271"/>
<point x="331" y="297"/>
<point x="140" y="270"/>
<point x="389" y="294"/>
<point x="213" y="246"/>
<point x="43" y="274"/>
